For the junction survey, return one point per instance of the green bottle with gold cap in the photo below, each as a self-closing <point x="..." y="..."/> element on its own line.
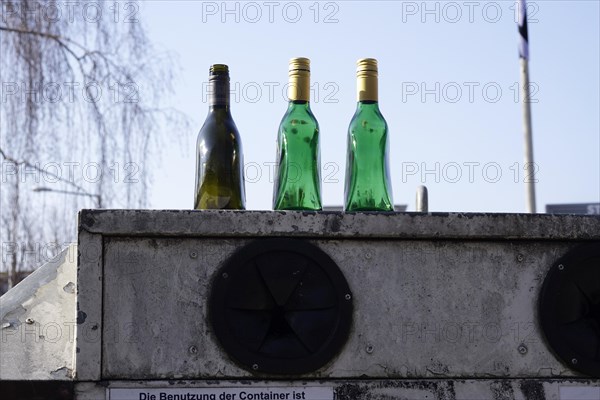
<point x="298" y="176"/>
<point x="219" y="159"/>
<point x="367" y="185"/>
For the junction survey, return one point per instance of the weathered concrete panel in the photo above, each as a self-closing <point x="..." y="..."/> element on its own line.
<point x="89" y="307"/>
<point x="155" y="306"/>
<point x="423" y="308"/>
<point x="39" y="321"/>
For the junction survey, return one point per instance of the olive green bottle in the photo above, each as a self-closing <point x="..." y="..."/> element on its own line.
<point x="367" y="185"/>
<point x="298" y="177"/>
<point x="219" y="159"/>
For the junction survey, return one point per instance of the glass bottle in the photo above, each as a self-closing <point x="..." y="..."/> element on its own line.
<point x="298" y="177"/>
<point x="219" y="158"/>
<point x="367" y="186"/>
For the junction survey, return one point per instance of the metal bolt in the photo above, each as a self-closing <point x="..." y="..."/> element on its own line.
<point x="520" y="257"/>
<point x="574" y="361"/>
<point x="255" y="366"/>
<point x="225" y="275"/>
<point x="369" y="348"/>
<point x="561" y="267"/>
<point x="368" y="255"/>
<point x="29" y="321"/>
<point x="193" y="254"/>
<point x="193" y="350"/>
<point x="522" y="349"/>
<point x="347" y="296"/>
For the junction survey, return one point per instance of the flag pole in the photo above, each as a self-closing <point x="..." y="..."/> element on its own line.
<point x="529" y="165"/>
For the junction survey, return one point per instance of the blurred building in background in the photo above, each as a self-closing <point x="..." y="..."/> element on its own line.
<point x="576" y="208"/>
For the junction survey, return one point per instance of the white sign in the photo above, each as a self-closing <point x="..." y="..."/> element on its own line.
<point x="579" y="393"/>
<point x="224" y="393"/>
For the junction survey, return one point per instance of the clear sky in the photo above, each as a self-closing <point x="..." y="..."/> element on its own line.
<point x="448" y="74"/>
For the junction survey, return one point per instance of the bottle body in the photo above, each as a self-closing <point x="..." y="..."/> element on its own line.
<point x="219" y="157"/>
<point x="367" y="184"/>
<point x="298" y="178"/>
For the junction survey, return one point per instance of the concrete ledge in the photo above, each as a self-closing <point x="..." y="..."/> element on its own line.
<point x="221" y="223"/>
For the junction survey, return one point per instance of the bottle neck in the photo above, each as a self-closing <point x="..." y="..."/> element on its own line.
<point x="299" y="87"/>
<point x="298" y="103"/>
<point x="367" y="105"/>
<point x="220" y="109"/>
<point x="218" y="92"/>
<point x="367" y="89"/>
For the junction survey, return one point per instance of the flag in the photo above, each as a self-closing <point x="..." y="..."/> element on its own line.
<point x="523" y="38"/>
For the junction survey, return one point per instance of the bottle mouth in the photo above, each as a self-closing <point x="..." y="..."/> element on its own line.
<point x="219" y="69"/>
<point x="218" y="72"/>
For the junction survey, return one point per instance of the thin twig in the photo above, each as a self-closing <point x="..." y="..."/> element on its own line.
<point x="46" y="172"/>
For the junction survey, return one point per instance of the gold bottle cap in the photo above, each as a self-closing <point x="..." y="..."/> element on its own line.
<point x="299" y="64"/>
<point x="299" y="79"/>
<point x="366" y="74"/>
<point x="366" y="67"/>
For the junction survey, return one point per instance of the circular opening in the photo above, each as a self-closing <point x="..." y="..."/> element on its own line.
<point x="283" y="307"/>
<point x="570" y="309"/>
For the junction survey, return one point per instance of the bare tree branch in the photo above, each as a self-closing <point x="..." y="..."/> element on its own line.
<point x="44" y="171"/>
<point x="61" y="41"/>
<point x="81" y="94"/>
